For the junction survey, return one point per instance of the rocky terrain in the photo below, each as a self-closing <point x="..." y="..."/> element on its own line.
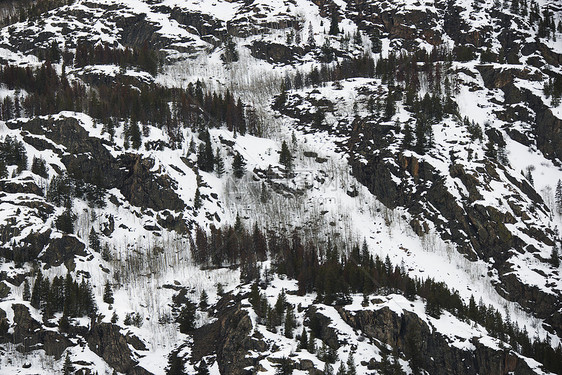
<point x="280" y="187"/>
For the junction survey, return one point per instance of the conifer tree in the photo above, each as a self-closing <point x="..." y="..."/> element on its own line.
<point x="186" y="317"/>
<point x="408" y="138"/>
<point x="197" y="203"/>
<point x="334" y="22"/>
<point x="203" y="368"/>
<point x="26" y="291"/>
<point x="135" y="135"/>
<point x="285" y="157"/>
<point x="219" y="164"/>
<point x="238" y="165"/>
<point x="351" y="370"/>
<point x="175" y="364"/>
<point x="108" y="293"/>
<point x="94" y="240"/>
<point x="554" y="257"/>
<point x="67" y="367"/>
<point x="203" y="300"/>
<point x="558" y="197"/>
<point x="303" y="341"/>
<point x="36" y="295"/>
<point x="289" y="322"/>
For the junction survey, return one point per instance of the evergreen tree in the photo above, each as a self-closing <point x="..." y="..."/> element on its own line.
<point x="558" y="197"/>
<point x="264" y="194"/>
<point x="175" y="364"/>
<point x="26" y="291"/>
<point x="334" y="23"/>
<point x="285" y="367"/>
<point x="108" y="293"/>
<point x="65" y="221"/>
<point x="408" y="137"/>
<point x="342" y="370"/>
<point x="135" y="135"/>
<point x="554" y="257"/>
<point x="37" y="293"/>
<point x="67" y="367"/>
<point x="186" y="317"/>
<point x="203" y="369"/>
<point x="219" y="164"/>
<point x="289" y="323"/>
<point x="197" y="203"/>
<point x="285" y="157"/>
<point x="94" y="240"/>
<point x="238" y="165"/>
<point x="351" y="370"/>
<point x="203" y="300"/>
<point x="303" y="341"/>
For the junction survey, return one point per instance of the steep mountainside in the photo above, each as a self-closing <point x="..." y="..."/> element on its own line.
<point x="270" y="186"/>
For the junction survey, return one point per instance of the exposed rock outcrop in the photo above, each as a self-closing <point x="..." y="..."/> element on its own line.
<point x="229" y="337"/>
<point x="412" y="336"/>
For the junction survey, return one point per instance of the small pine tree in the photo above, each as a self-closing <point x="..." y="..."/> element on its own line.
<point x="264" y="195"/>
<point x="303" y="340"/>
<point x="175" y="364"/>
<point x="289" y="322"/>
<point x="203" y="368"/>
<point x="408" y="137"/>
<point x="351" y="370"/>
<point x="26" y="291"/>
<point x="342" y="370"/>
<point x="94" y="240"/>
<point x="558" y="197"/>
<point x="108" y="293"/>
<point x="197" y="203"/>
<point x="135" y="135"/>
<point x="334" y="24"/>
<point x="203" y="300"/>
<point x="238" y="165"/>
<point x="67" y="367"/>
<point x="219" y="164"/>
<point x="285" y="157"/>
<point x="554" y="257"/>
<point x="186" y="317"/>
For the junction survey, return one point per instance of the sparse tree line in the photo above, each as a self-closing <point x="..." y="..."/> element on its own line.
<point x="62" y="294"/>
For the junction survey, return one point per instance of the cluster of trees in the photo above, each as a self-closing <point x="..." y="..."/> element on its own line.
<point x="126" y="100"/>
<point x="231" y="245"/>
<point x="33" y="9"/>
<point x="553" y="88"/>
<point x="64" y="295"/>
<point x="89" y="54"/>
<point x="334" y="275"/>
<point x="281" y="314"/>
<point x="63" y="188"/>
<point x="12" y="152"/>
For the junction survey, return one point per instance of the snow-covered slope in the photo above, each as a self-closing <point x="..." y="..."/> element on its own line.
<point x="428" y="132"/>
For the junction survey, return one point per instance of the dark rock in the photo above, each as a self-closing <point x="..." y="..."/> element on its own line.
<point x="413" y="337"/>
<point x="62" y="251"/>
<point x="4" y="290"/>
<point x="229" y="338"/>
<point x="276" y="53"/>
<point x="106" y="340"/>
<point x="87" y="159"/>
<point x="21" y="187"/>
<point x="28" y="331"/>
